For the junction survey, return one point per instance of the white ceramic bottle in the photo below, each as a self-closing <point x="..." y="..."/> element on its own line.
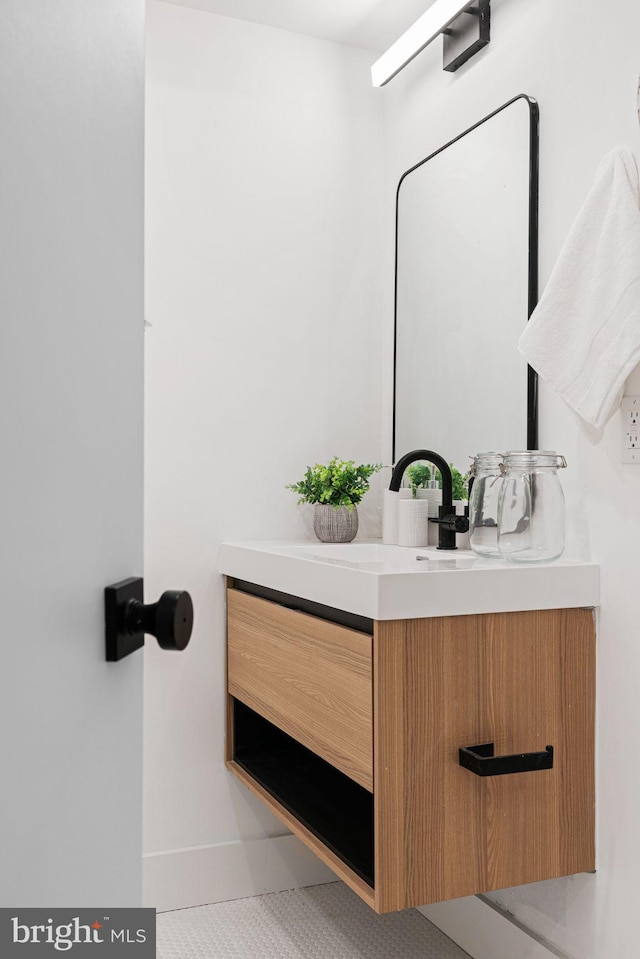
<point x="390" y="501"/>
<point x="413" y="522"/>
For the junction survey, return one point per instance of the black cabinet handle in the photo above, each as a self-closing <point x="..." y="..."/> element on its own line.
<point x="481" y="761"/>
<point x="127" y="619"/>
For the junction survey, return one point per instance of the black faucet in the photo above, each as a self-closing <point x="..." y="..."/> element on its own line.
<point x="450" y="522"/>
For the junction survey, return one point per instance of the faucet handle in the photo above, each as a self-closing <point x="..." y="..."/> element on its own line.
<point x="459" y="524"/>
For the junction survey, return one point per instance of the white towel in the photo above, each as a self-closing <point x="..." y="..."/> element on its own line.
<point x="584" y="336"/>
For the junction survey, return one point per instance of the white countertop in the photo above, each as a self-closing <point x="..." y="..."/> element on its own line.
<point x="389" y="582"/>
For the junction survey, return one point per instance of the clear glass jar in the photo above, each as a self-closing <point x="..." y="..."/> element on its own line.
<point x="531" y="507"/>
<point x="483" y="503"/>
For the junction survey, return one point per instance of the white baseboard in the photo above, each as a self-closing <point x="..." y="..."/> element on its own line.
<point x="484" y="932"/>
<point x="180" y="878"/>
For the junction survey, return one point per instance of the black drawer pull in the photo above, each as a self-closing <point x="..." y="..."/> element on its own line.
<point x="481" y="761"/>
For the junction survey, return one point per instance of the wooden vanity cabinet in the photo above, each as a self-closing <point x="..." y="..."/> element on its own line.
<point x="351" y="731"/>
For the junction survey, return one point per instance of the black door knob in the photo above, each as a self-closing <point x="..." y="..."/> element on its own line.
<point x="170" y="620"/>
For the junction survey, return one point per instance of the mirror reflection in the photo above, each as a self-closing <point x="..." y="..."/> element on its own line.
<point x="466" y="264"/>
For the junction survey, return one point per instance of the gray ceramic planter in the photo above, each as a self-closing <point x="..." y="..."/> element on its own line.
<point x="335" y="524"/>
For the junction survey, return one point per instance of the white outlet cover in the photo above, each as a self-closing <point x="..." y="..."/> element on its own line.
<point x="630" y="429"/>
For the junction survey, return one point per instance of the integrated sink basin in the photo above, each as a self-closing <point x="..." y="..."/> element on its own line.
<point x="375" y="557"/>
<point x="394" y="582"/>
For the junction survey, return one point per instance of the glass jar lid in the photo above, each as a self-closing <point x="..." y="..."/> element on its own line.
<point x="534" y="459"/>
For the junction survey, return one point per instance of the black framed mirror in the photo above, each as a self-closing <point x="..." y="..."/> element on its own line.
<point x="466" y="282"/>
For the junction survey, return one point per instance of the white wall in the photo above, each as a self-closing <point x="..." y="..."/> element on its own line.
<point x="583" y="69"/>
<point x="268" y="325"/>
<point x="263" y="222"/>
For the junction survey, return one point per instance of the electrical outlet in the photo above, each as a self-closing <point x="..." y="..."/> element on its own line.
<point x="631" y="429"/>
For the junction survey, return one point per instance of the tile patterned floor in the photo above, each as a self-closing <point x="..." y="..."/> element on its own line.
<point x="318" y="922"/>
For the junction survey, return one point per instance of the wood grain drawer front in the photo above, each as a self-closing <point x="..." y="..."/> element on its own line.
<point x="309" y="677"/>
<point x="519" y="680"/>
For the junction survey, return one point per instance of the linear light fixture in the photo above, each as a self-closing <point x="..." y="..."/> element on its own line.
<point x="438" y="19"/>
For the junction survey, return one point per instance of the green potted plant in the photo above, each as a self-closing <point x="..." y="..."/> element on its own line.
<point x="419" y="476"/>
<point x="460" y="485"/>
<point x="335" y="490"/>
